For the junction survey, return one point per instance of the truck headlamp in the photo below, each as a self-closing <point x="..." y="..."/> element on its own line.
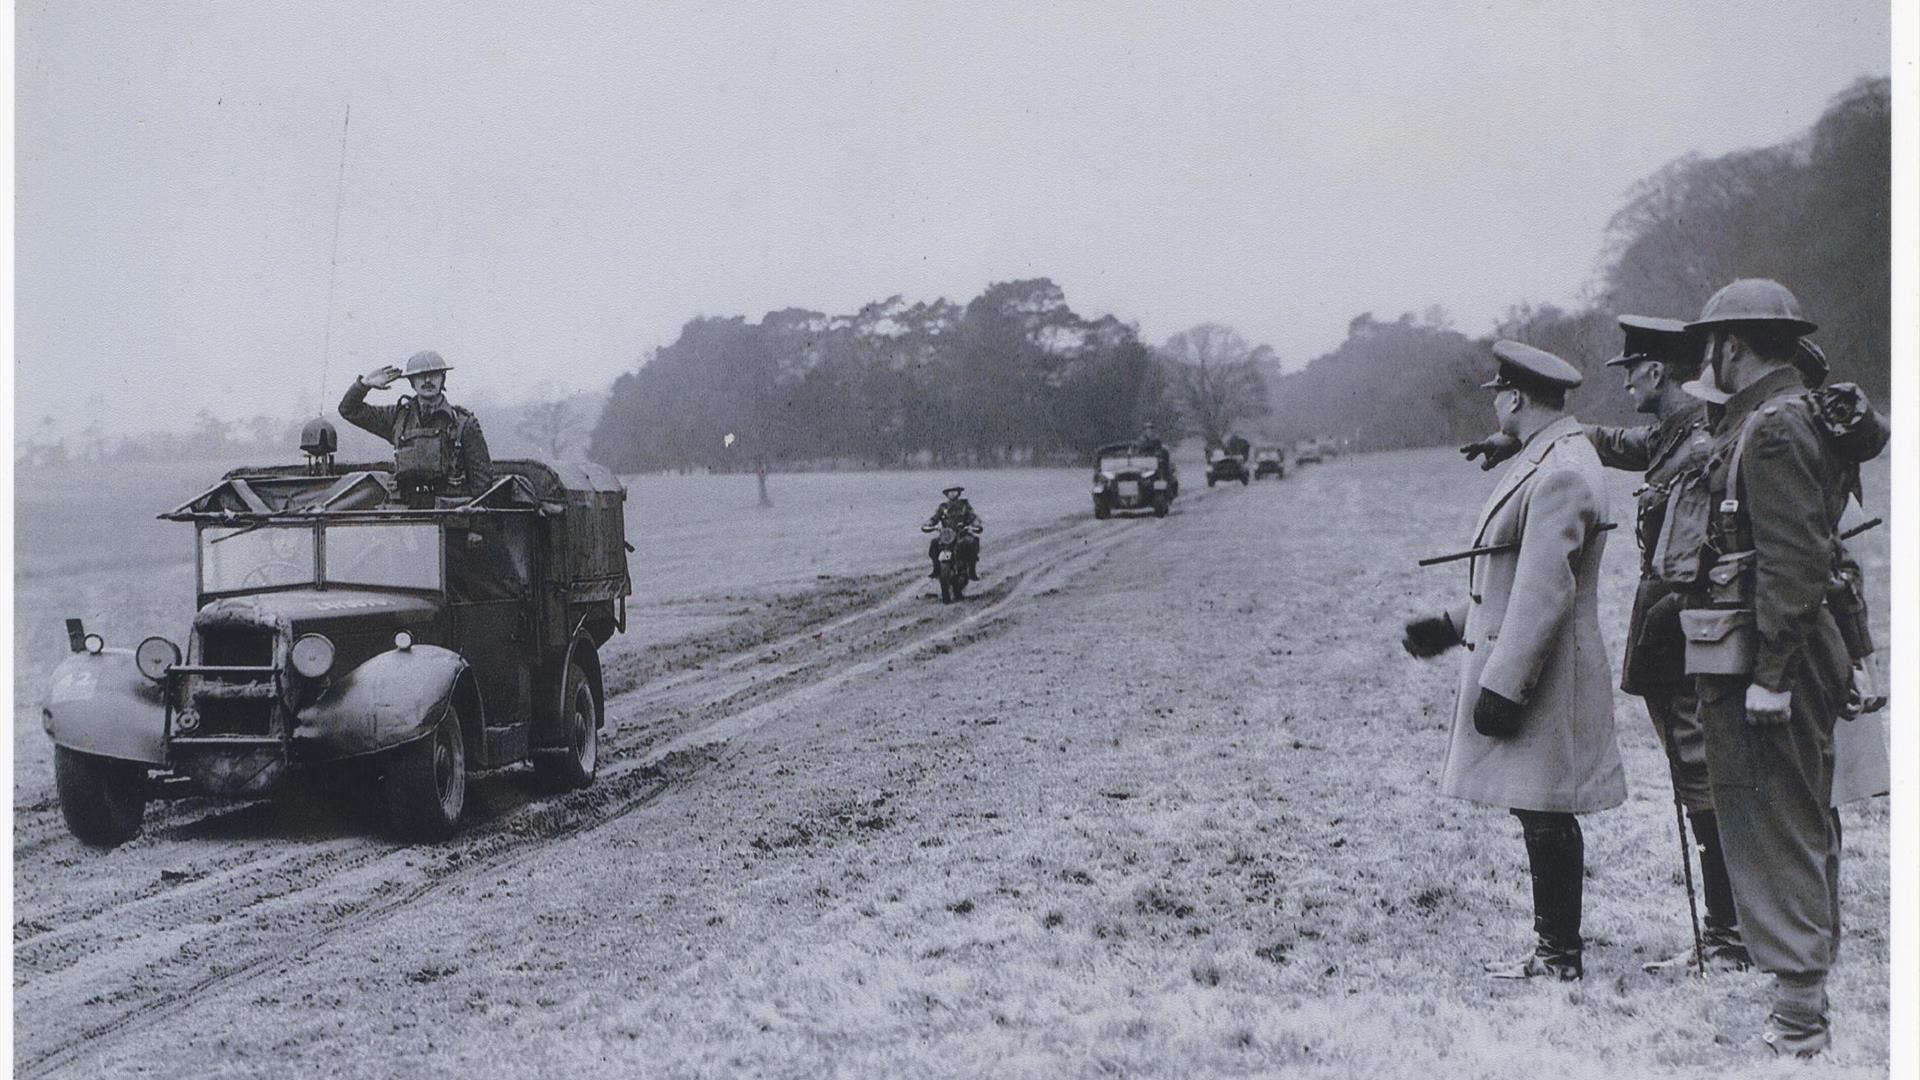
<point x="94" y="643"/>
<point x="403" y="641"/>
<point x="312" y="655"/>
<point x="154" y="656"/>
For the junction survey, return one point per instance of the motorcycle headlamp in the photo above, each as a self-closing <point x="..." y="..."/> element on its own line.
<point x="312" y="655"/>
<point x="95" y="643"/>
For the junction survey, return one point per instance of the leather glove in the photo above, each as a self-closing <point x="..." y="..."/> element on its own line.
<point x="1497" y="447"/>
<point x="1768" y="707"/>
<point x="1430" y="636"/>
<point x="1496" y="717"/>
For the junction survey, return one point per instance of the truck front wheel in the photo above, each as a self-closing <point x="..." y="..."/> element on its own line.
<point x="427" y="782"/>
<point x="574" y="765"/>
<point x="103" y="799"/>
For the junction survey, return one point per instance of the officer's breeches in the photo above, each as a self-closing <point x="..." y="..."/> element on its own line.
<point x="1676" y="720"/>
<point x="1772" y="786"/>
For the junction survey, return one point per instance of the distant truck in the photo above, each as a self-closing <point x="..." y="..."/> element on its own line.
<point x="1224" y="464"/>
<point x="336" y="626"/>
<point x="1309" y="452"/>
<point x="1133" y="476"/>
<point x="1269" y="461"/>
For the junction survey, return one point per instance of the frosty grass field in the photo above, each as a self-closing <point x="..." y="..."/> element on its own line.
<point x="1159" y="800"/>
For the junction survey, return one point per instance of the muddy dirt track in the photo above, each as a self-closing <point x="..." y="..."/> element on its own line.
<point x="1159" y="796"/>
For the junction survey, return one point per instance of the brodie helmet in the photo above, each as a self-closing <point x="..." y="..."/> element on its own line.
<point x="424" y="362"/>
<point x="1754" y="300"/>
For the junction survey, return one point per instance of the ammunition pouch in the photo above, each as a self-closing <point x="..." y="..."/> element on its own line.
<point x="427" y="456"/>
<point x="1720" y="641"/>
<point x="422" y="460"/>
<point x="1682" y="550"/>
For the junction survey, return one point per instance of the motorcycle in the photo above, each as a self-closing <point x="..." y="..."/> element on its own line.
<point x="955" y="570"/>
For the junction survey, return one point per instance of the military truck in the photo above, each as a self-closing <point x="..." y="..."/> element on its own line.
<point x="337" y="627"/>
<point x="1224" y="464"/>
<point x="1133" y="476"/>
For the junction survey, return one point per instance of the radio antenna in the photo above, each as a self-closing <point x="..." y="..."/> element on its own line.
<point x="333" y="259"/>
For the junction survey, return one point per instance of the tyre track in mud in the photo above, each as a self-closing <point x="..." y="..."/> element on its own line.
<point x="97" y="973"/>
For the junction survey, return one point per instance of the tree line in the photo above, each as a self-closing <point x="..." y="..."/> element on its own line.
<point x="1811" y="213"/>
<point x="1015" y="376"/>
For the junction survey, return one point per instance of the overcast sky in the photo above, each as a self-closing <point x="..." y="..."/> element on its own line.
<point x="543" y="192"/>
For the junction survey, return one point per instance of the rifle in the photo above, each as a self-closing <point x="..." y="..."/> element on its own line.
<point x="1496" y="549"/>
<point x="1860" y="528"/>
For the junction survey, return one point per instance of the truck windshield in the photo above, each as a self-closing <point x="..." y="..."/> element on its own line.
<point x="1116" y="462"/>
<point x="392" y="554"/>
<point x="255" y="558"/>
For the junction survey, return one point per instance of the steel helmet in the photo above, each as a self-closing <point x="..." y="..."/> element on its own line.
<point x="1754" y="300"/>
<point x="1811" y="360"/>
<point x="424" y="361"/>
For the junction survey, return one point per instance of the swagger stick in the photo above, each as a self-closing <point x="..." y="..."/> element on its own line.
<point x="1493" y="549"/>
<point x="1693" y="905"/>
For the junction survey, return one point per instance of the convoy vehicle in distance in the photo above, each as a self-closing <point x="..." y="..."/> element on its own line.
<point x="1226" y="465"/>
<point x="338" y="627"/>
<point x="1309" y="452"/>
<point x="1133" y="476"/>
<point x="1269" y="461"/>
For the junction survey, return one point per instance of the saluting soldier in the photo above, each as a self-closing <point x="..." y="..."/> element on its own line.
<point x="1533" y="723"/>
<point x="1775" y="489"/>
<point x="438" y="448"/>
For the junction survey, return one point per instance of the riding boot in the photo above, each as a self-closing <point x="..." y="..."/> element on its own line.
<point x="1724" y="948"/>
<point x="1556" y="861"/>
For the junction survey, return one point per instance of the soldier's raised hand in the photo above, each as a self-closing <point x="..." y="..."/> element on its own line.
<point x="1497" y="447"/>
<point x="381" y="377"/>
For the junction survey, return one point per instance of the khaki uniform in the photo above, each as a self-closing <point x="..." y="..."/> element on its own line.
<point x="1533" y="628"/>
<point x="1652" y="666"/>
<point x="1773" y="784"/>
<point x="409" y="422"/>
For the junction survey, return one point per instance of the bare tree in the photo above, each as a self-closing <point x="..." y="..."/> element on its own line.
<point x="1220" y="380"/>
<point x="557" y="424"/>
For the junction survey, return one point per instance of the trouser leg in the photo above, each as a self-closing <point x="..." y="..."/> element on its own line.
<point x="1716" y="887"/>
<point x="1771" y="788"/>
<point x="1676" y="720"/>
<point x="1556" y="861"/>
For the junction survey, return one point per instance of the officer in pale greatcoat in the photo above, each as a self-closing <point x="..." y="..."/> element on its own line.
<point x="1533" y="723"/>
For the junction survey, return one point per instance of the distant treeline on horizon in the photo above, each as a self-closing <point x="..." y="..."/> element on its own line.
<point x="1015" y="376"/>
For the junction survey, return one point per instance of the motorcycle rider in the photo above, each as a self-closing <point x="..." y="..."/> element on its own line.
<point x="956" y="513"/>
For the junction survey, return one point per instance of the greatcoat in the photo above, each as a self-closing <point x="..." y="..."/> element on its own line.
<point x="1532" y="628"/>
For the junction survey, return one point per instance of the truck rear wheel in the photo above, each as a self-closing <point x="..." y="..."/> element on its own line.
<point x="427" y="782"/>
<point x="103" y="799"/>
<point x="574" y="765"/>
<point x="1101" y="509"/>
